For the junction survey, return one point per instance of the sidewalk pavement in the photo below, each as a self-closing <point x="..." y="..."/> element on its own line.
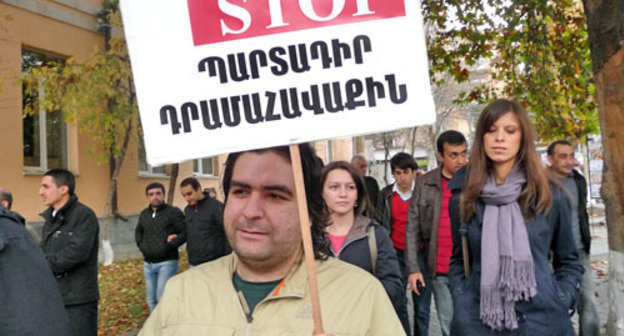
<point x="600" y="267"/>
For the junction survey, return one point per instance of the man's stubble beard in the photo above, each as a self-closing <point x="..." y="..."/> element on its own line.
<point x="259" y="262"/>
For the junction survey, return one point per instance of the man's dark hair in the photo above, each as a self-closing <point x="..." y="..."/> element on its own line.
<point x="155" y="185"/>
<point x="403" y="160"/>
<point x="62" y="177"/>
<point x="193" y="182"/>
<point x="311" y="179"/>
<point x="450" y="137"/>
<point x="551" y="148"/>
<point x="5" y="195"/>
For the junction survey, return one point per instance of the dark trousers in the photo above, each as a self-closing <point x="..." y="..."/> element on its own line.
<point x="83" y="318"/>
<point x="402" y="309"/>
<point x="422" y="302"/>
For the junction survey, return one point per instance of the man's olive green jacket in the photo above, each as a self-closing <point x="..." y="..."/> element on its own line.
<point x="203" y="301"/>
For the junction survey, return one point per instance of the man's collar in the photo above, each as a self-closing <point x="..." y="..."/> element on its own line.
<point x="444" y="176"/>
<point x="64" y="205"/>
<point x="395" y="187"/>
<point x="295" y="283"/>
<point x="158" y="208"/>
<point x="571" y="174"/>
<point x="405" y="196"/>
<point x="72" y="199"/>
<point x="205" y="195"/>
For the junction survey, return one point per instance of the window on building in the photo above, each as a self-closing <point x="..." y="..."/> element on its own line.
<point x="144" y="167"/>
<point x="44" y="132"/>
<point x="204" y="167"/>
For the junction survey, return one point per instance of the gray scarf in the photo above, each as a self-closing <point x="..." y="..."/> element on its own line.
<point x="507" y="271"/>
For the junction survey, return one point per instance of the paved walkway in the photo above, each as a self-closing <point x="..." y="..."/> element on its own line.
<point x="600" y="267"/>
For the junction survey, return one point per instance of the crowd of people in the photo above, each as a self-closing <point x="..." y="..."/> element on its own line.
<point x="499" y="241"/>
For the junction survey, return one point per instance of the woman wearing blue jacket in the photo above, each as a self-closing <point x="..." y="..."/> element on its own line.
<point x="507" y="215"/>
<point x="351" y="232"/>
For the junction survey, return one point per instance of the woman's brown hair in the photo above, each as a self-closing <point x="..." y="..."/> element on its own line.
<point x="363" y="204"/>
<point x="537" y="189"/>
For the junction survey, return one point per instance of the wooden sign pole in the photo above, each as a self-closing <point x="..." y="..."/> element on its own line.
<point x="304" y="219"/>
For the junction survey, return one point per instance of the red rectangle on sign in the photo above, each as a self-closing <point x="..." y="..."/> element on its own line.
<point x="214" y="21"/>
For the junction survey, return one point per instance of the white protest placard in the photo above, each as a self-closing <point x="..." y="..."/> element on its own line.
<point x="218" y="76"/>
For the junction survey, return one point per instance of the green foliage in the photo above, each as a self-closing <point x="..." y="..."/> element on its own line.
<point x="538" y="52"/>
<point x="97" y="95"/>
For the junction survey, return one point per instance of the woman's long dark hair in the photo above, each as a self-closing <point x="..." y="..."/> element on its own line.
<point x="311" y="177"/>
<point x="537" y="189"/>
<point x="363" y="204"/>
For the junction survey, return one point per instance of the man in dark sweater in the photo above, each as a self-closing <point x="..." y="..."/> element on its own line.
<point x="158" y="235"/>
<point x="205" y="235"/>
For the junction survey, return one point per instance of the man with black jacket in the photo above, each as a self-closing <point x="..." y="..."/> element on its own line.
<point x="158" y="235"/>
<point x="562" y="163"/>
<point x="70" y="246"/>
<point x="205" y="235"/>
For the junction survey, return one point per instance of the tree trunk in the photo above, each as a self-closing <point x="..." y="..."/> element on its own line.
<point x="386" y="144"/>
<point x="173" y="180"/>
<point x="434" y="130"/>
<point x="413" y="141"/>
<point x="111" y="206"/>
<point x="107" y="251"/>
<point x="111" y="166"/>
<point x="585" y="149"/>
<point x="432" y="136"/>
<point x="605" y="23"/>
<point x="115" y="176"/>
<point x="610" y="90"/>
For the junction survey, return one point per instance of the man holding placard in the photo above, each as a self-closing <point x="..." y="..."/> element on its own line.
<point x="262" y="288"/>
<point x="237" y="76"/>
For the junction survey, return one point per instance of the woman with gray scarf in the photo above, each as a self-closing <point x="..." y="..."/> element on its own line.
<point x="507" y="215"/>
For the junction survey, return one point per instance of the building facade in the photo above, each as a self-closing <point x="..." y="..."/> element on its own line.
<point x="34" y="32"/>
